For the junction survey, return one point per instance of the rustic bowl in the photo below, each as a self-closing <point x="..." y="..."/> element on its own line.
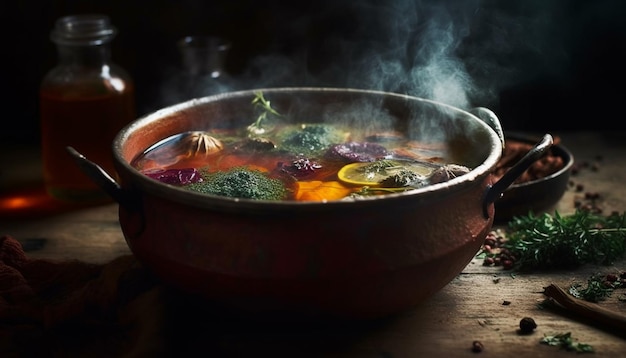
<point x="539" y="195"/>
<point x="362" y="258"/>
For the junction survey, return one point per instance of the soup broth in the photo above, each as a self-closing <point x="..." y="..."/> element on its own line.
<point x="279" y="160"/>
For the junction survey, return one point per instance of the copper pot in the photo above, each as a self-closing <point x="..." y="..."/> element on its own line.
<point x="357" y="259"/>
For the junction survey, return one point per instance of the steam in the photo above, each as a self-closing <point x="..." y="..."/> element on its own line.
<point x="456" y="52"/>
<point x="440" y="75"/>
<point x="401" y="46"/>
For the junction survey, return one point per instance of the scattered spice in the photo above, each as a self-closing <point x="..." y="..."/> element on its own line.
<point x="589" y="201"/>
<point x="599" y="286"/>
<point x="597" y="289"/>
<point x="492" y="251"/>
<point x="477" y="347"/>
<point x="483" y="322"/>
<point x="565" y="341"/>
<point x="527" y="325"/>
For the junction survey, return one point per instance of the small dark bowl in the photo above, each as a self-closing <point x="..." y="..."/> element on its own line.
<point x="539" y="195"/>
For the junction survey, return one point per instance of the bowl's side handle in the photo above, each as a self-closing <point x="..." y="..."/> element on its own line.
<point x="102" y="179"/>
<point x="486" y="115"/>
<point x="494" y="192"/>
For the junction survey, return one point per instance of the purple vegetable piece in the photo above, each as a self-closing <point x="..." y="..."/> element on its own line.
<point x="358" y="152"/>
<point x="175" y="176"/>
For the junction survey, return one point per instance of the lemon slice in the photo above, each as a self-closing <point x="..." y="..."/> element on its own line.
<point x="355" y="174"/>
<point x="374" y="173"/>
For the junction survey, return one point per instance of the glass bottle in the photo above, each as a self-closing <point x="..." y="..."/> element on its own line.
<point x="202" y="59"/>
<point x="84" y="101"/>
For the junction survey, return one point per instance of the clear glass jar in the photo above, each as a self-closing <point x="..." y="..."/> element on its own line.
<point x="202" y="59"/>
<point x="84" y="101"/>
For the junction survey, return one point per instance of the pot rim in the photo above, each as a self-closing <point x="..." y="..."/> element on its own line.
<point x="474" y="177"/>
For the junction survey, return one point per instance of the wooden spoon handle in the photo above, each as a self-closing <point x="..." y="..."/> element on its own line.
<point x="587" y="309"/>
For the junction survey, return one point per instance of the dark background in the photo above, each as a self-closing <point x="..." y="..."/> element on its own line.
<point x="540" y="65"/>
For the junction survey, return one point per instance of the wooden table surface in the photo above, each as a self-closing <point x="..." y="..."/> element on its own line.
<point x="470" y="308"/>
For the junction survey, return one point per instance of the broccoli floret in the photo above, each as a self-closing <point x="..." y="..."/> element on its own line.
<point x="241" y="182"/>
<point x="310" y="139"/>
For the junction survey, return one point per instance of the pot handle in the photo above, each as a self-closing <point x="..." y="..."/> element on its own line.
<point x="494" y="192"/>
<point x="486" y="115"/>
<point x="101" y="178"/>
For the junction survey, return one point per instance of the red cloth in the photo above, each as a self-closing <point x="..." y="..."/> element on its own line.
<point x="73" y="308"/>
<point x="119" y="309"/>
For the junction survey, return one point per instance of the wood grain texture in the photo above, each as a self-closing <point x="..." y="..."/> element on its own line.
<point x="481" y="304"/>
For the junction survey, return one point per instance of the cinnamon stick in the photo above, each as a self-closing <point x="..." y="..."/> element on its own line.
<point x="586" y="309"/>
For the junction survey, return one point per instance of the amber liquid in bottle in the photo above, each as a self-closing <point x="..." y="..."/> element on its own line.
<point x="84" y="102"/>
<point x="86" y="118"/>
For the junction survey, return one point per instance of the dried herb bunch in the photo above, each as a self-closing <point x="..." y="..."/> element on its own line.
<point x="563" y="242"/>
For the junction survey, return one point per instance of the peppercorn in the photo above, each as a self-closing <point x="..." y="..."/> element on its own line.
<point x="508" y="264"/>
<point x="527" y="325"/>
<point x="477" y="347"/>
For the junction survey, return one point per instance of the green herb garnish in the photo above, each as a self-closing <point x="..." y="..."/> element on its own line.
<point x="554" y="241"/>
<point x="565" y="340"/>
<point x="379" y="166"/>
<point x="403" y="178"/>
<point x="259" y="126"/>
